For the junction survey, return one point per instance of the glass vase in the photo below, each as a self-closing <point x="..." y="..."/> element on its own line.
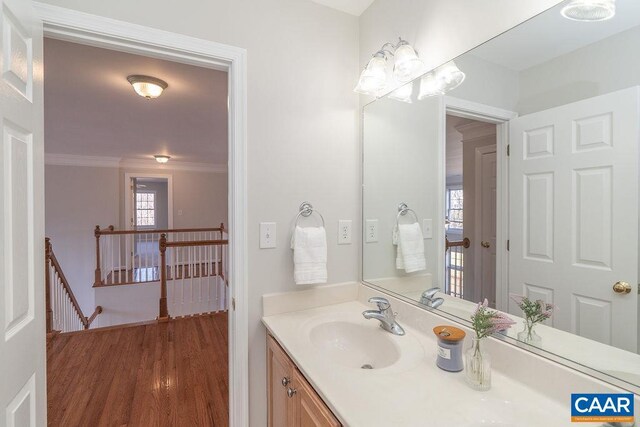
<point x="477" y="364"/>
<point x="528" y="334"/>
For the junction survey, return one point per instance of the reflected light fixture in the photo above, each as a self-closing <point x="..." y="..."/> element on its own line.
<point x="146" y="86"/>
<point x="589" y="10"/>
<point x="403" y="93"/>
<point x="375" y="80"/>
<point x="430" y="85"/>
<point x="450" y="76"/>
<point x="161" y="158"/>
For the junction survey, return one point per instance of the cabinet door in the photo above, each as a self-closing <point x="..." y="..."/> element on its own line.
<point x="310" y="410"/>
<point x="279" y="376"/>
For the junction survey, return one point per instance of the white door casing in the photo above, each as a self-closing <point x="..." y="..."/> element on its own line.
<point x="22" y="342"/>
<point x="485" y="223"/>
<point x="574" y="214"/>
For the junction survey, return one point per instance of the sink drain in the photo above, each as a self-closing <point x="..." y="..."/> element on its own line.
<point x="366" y="366"/>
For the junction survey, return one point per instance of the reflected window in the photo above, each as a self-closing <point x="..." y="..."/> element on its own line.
<point x="454" y="205"/>
<point x="145" y="209"/>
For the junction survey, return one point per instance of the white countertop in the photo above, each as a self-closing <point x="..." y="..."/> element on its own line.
<point x="411" y="392"/>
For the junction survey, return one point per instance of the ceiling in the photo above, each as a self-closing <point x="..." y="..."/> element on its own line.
<point x="91" y="109"/>
<point x="352" y="7"/>
<point x="550" y="35"/>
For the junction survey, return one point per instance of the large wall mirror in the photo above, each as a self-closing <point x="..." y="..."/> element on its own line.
<point x="518" y="166"/>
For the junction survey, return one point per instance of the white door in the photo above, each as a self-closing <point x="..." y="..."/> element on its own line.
<point x="574" y="214"/>
<point x="485" y="239"/>
<point x="22" y="310"/>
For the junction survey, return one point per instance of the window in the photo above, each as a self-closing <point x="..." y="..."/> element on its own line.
<point x="454" y="206"/>
<point x="145" y="209"/>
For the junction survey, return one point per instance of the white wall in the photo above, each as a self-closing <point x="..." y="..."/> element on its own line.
<point x="302" y="113"/>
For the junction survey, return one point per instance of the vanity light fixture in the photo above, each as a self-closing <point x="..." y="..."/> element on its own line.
<point x="146" y="86"/>
<point x="161" y="158"/>
<point x="375" y="79"/>
<point x="589" y="10"/>
<point x="441" y="80"/>
<point x="403" y="93"/>
<point x="430" y="86"/>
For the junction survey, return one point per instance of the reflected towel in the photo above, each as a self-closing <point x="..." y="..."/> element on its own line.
<point x="410" y="256"/>
<point x="309" y="246"/>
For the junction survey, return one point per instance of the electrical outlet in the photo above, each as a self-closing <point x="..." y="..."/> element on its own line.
<point x="344" y="232"/>
<point x="427" y="228"/>
<point x="267" y="235"/>
<point x="371" y="231"/>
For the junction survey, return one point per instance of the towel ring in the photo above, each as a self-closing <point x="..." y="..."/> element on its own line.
<point x="403" y="209"/>
<point x="306" y="209"/>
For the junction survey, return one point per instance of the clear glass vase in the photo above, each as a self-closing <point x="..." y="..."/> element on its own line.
<point x="477" y="363"/>
<point x="528" y="334"/>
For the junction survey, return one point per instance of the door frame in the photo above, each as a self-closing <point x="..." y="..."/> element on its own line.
<point x="500" y="117"/>
<point x="128" y="196"/>
<point x="79" y="27"/>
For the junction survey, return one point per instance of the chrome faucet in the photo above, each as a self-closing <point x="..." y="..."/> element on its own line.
<point x="428" y="299"/>
<point x="384" y="314"/>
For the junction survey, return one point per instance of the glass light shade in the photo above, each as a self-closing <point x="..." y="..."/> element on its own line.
<point x="373" y="79"/>
<point x="403" y="93"/>
<point x="407" y="65"/>
<point x="589" y="10"/>
<point x="161" y="158"/>
<point x="146" y="86"/>
<point x="450" y="76"/>
<point x="430" y="86"/>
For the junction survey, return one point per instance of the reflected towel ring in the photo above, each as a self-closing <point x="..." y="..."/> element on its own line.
<point x="306" y="209"/>
<point x="403" y="209"/>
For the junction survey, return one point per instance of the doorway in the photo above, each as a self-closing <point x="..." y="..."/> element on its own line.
<point x="470" y="203"/>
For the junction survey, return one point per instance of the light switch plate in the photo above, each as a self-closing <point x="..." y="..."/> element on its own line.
<point x="267" y="235"/>
<point x="344" y="232"/>
<point x="371" y="231"/>
<point x="427" y="228"/>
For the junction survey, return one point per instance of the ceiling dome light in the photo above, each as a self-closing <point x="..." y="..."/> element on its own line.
<point x="147" y="87"/>
<point x="407" y="65"/>
<point x="589" y="10"/>
<point x="373" y="79"/>
<point x="450" y="76"/>
<point x="430" y="86"/>
<point x="161" y="158"/>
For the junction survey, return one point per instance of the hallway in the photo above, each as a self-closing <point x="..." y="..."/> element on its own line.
<point x="155" y="374"/>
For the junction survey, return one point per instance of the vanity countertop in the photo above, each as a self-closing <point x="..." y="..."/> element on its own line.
<point x="411" y="392"/>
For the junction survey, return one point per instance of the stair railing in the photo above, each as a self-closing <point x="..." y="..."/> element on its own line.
<point x="63" y="313"/>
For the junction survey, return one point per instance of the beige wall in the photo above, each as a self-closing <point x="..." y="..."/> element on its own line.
<point x="78" y="198"/>
<point x="302" y="113"/>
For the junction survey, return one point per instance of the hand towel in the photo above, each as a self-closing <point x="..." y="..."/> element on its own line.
<point x="309" y="246"/>
<point x="410" y="255"/>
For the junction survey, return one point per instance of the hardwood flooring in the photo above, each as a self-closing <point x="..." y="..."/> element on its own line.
<point x="159" y="374"/>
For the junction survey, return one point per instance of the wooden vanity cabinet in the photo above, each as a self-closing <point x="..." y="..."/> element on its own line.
<point x="291" y="399"/>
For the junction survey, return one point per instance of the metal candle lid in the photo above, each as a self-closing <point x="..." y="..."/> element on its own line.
<point x="449" y="333"/>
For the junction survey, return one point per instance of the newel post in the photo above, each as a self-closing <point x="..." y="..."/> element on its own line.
<point x="47" y="283"/>
<point x="98" y="275"/>
<point x="164" y="310"/>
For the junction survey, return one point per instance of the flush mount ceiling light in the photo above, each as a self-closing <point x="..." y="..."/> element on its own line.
<point x="161" y="158"/>
<point x="375" y="79"/>
<point x="589" y="10"/>
<point x="146" y="86"/>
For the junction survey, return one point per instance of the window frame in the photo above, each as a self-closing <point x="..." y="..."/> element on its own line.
<point x="155" y="210"/>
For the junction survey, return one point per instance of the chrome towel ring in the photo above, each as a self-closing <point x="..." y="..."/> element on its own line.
<point x="306" y="209"/>
<point x="403" y="209"/>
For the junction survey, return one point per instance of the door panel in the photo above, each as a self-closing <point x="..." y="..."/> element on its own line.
<point x="574" y="223"/>
<point x="22" y="342"/>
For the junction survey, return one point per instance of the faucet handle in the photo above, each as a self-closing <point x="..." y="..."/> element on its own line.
<point x="430" y="293"/>
<point x="383" y="303"/>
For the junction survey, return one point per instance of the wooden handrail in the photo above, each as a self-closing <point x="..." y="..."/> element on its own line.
<point x="163" y="244"/>
<point x="465" y="243"/>
<point x="111" y="231"/>
<point x="52" y="261"/>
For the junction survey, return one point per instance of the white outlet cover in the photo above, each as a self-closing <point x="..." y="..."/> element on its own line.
<point x="267" y="235"/>
<point x="344" y="232"/>
<point x="371" y="231"/>
<point x="427" y="228"/>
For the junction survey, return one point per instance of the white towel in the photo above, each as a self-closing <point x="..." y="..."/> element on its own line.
<point x="309" y="246"/>
<point x="410" y="256"/>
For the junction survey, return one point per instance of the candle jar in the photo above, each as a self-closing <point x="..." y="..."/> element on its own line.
<point x="450" y="341"/>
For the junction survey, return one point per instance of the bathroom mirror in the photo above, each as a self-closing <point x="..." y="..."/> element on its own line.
<point x="519" y="161"/>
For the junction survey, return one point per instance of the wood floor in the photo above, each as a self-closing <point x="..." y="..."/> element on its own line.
<point x="159" y="374"/>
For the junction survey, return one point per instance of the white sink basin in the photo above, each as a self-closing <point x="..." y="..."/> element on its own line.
<point x="355" y="346"/>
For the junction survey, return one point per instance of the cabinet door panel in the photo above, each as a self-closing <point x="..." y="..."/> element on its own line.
<point x="311" y="411"/>
<point x="279" y="367"/>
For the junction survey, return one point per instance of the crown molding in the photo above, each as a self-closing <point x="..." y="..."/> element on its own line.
<point x="128" y="163"/>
